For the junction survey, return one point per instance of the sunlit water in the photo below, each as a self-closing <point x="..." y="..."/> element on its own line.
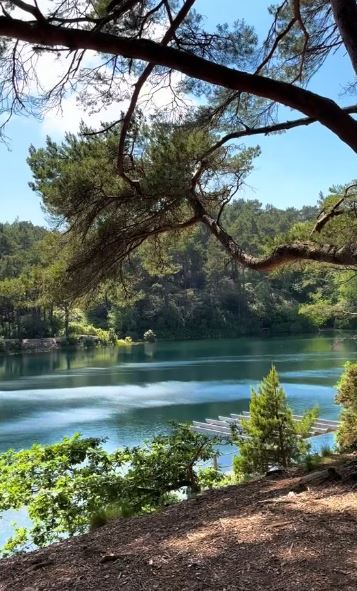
<point x="128" y="395"/>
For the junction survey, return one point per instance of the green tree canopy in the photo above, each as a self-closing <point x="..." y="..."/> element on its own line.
<point x="270" y="436"/>
<point x="347" y="397"/>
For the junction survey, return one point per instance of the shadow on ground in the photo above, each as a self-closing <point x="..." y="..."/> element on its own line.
<point x="259" y="536"/>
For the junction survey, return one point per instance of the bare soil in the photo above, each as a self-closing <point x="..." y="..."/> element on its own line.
<point x="266" y="535"/>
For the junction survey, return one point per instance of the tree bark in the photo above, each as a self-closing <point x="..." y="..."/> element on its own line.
<point x="345" y="255"/>
<point x="345" y="15"/>
<point x="66" y="321"/>
<point x="313" y="105"/>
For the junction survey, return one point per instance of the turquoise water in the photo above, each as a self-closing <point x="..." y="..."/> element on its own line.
<point x="128" y="395"/>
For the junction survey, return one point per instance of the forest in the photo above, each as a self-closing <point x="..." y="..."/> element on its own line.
<point x="189" y="289"/>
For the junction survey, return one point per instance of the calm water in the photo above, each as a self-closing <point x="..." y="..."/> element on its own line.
<point x="128" y="395"/>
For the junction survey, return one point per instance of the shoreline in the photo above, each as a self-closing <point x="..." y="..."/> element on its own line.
<point x="10" y="347"/>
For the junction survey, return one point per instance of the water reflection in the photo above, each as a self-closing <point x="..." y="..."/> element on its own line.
<point x="129" y="394"/>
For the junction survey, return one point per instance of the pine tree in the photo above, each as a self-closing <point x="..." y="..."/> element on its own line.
<point x="347" y="396"/>
<point x="273" y="437"/>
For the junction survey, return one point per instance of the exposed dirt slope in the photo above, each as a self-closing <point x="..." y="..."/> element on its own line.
<point x="260" y="536"/>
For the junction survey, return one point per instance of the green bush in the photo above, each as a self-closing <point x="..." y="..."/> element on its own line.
<point x="81" y="328"/>
<point x="347" y="397"/>
<point x="2" y="345"/>
<point x="10" y="345"/>
<point x="273" y="438"/>
<point x="326" y="451"/>
<point x="210" y="477"/>
<point x="104" y="515"/>
<point x="311" y="462"/>
<point x="149" y="336"/>
<point x="75" y="484"/>
<point x="124" y="342"/>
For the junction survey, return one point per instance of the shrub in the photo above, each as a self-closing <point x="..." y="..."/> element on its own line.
<point x="311" y="462"/>
<point x="73" y="485"/>
<point x="10" y="345"/>
<point x="106" y="514"/>
<point x="124" y="342"/>
<point x="209" y="477"/>
<point x="326" y="451"/>
<point x="149" y="336"/>
<point x="273" y="437"/>
<point x="81" y="328"/>
<point x="347" y="396"/>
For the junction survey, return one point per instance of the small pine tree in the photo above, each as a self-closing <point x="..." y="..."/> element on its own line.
<point x="274" y="438"/>
<point x="347" y="396"/>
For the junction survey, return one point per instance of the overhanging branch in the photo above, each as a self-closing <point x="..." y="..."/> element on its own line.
<point x="282" y="255"/>
<point x="312" y="105"/>
<point x="267" y="129"/>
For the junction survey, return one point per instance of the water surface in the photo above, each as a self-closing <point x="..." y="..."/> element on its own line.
<point x="128" y="395"/>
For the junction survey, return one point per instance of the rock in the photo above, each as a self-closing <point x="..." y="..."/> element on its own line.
<point x="109" y="558"/>
<point x="276" y="472"/>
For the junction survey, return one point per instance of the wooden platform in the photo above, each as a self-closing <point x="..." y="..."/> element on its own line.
<point x="222" y="427"/>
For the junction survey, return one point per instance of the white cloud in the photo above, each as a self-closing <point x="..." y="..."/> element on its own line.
<point x="49" y="68"/>
<point x="68" y="118"/>
<point x="56" y="123"/>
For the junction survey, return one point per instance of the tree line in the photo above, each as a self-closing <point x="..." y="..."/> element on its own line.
<point x="182" y="287"/>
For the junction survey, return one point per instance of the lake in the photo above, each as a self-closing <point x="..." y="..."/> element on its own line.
<point x="127" y="395"/>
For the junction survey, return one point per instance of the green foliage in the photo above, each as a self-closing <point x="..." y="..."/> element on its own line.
<point x="78" y="182"/>
<point x="181" y="286"/>
<point x="149" y="336"/>
<point x="70" y="486"/>
<point x="127" y="342"/>
<point x="105" y="515"/>
<point x="203" y="292"/>
<point x="303" y="427"/>
<point x="311" y="462"/>
<point x="82" y="328"/>
<point x="210" y="477"/>
<point x="274" y="438"/>
<point x="33" y="303"/>
<point x="332" y="301"/>
<point x="347" y="396"/>
<point x="326" y="451"/>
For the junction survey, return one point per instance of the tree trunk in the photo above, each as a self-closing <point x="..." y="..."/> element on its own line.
<point x="50" y="313"/>
<point x="345" y="15"/>
<point x="66" y="321"/>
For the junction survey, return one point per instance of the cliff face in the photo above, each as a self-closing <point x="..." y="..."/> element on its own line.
<point x="260" y="536"/>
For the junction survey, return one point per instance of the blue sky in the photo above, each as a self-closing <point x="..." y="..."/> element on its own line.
<point x="291" y="171"/>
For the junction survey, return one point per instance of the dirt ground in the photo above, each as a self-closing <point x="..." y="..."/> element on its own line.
<point x="260" y="536"/>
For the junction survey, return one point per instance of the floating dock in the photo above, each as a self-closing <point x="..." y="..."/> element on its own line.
<point x="222" y="427"/>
